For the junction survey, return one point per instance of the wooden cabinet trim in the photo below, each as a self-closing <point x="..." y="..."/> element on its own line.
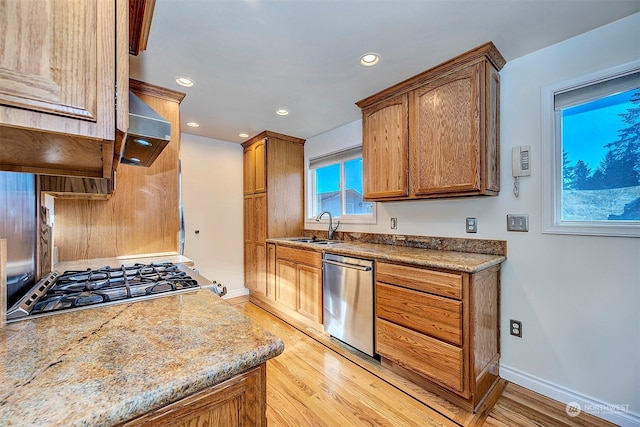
<point x="486" y="51"/>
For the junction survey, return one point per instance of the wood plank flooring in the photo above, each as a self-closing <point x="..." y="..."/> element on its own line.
<point x="316" y="382"/>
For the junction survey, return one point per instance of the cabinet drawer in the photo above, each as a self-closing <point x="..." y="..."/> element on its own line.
<point x="421" y="279"/>
<point x="429" y="314"/>
<point x="300" y="256"/>
<point x="426" y="356"/>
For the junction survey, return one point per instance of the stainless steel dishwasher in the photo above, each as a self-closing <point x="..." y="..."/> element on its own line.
<point x="348" y="296"/>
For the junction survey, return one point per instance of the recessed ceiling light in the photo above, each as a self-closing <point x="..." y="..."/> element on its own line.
<point x="282" y="112"/>
<point x="184" y="81"/>
<point x="193" y="124"/>
<point x="369" y="59"/>
<point x="244" y="135"/>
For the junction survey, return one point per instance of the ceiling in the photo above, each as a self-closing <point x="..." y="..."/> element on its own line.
<point x="249" y="58"/>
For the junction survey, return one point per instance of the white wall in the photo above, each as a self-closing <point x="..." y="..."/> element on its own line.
<point x="577" y="296"/>
<point x="212" y="201"/>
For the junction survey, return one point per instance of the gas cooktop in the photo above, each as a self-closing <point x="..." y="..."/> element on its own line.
<point x="83" y="289"/>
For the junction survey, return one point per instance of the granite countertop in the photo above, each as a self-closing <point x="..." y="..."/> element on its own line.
<point x="106" y="365"/>
<point x="451" y="260"/>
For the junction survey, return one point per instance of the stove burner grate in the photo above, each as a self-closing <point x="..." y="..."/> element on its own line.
<point x="74" y="289"/>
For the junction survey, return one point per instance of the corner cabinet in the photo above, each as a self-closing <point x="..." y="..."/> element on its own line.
<point x="440" y="329"/>
<point x="435" y="134"/>
<point x="60" y="63"/>
<point x="273" y="200"/>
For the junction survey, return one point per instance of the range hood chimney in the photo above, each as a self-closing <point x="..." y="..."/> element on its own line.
<point x="148" y="134"/>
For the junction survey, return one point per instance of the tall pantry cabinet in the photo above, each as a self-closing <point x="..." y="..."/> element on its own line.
<point x="273" y="200"/>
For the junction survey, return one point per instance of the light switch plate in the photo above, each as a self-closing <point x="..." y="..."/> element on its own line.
<point x="517" y="222"/>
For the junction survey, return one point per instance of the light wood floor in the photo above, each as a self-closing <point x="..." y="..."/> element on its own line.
<point x="316" y="383"/>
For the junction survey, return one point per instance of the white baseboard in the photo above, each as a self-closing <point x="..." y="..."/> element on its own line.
<point x="615" y="413"/>
<point x="236" y="293"/>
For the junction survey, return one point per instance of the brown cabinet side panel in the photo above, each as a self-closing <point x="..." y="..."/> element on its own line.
<point x="285" y="169"/>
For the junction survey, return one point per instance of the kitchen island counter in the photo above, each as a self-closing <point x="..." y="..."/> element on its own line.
<point x="109" y="364"/>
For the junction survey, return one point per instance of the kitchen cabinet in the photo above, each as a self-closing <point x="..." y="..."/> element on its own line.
<point x="239" y="401"/>
<point x="440" y="328"/>
<point x="140" y="14"/>
<point x="437" y="133"/>
<point x="273" y="166"/>
<point x="64" y="70"/>
<point x="299" y="282"/>
<point x="255" y="177"/>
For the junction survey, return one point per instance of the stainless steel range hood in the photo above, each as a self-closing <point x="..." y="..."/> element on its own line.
<point x="148" y="134"/>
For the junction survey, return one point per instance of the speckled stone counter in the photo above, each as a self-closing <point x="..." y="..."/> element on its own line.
<point x="468" y="262"/>
<point x="105" y="365"/>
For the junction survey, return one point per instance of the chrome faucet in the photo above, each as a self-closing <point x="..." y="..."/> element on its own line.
<point x="332" y="230"/>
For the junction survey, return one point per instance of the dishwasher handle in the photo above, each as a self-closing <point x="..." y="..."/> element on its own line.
<point x="347" y="265"/>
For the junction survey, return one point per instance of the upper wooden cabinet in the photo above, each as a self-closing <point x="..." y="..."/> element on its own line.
<point x="255" y="168"/>
<point x="60" y="62"/>
<point x="435" y="134"/>
<point x="140" y="14"/>
<point x="385" y="127"/>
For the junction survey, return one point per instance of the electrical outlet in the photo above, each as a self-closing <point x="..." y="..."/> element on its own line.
<point x="472" y="225"/>
<point x="394" y="223"/>
<point x="515" y="328"/>
<point x="517" y="222"/>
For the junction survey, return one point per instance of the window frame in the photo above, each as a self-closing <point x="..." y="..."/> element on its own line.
<point x="552" y="162"/>
<point x="340" y="157"/>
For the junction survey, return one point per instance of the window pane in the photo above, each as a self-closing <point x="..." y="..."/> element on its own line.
<point x="353" y="189"/>
<point x="601" y="159"/>
<point x="328" y="190"/>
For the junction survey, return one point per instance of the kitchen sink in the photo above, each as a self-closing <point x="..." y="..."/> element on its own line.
<point x="314" y="241"/>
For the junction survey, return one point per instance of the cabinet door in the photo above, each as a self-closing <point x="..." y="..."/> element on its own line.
<point x="254" y="167"/>
<point x="57" y="85"/>
<point x="249" y="170"/>
<point x="260" y="166"/>
<point x="310" y="292"/>
<point x="385" y="149"/>
<point x="287" y="284"/>
<point x="445" y="134"/>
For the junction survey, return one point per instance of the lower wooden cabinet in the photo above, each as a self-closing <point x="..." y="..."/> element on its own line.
<point x="294" y="285"/>
<point x="239" y="401"/>
<point x="440" y="329"/>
